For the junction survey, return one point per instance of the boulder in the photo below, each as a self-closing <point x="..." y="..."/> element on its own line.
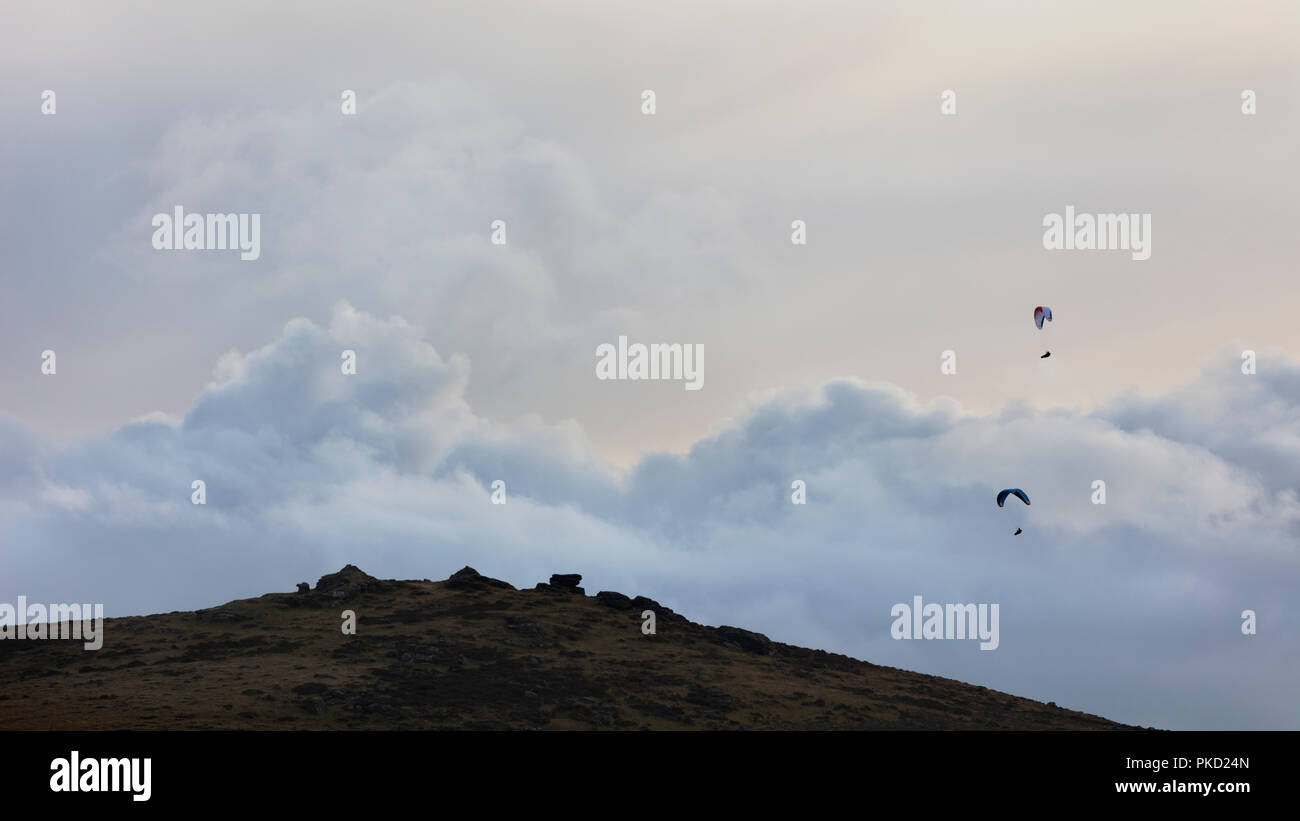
<point x="349" y="581"/>
<point x="641" y="604"/>
<point x="303" y="587"/>
<point x="464" y="578"/>
<point x="746" y="640"/>
<point x="467" y="578"/>
<point x="571" y="580"/>
<point x="555" y="588"/>
<point x="615" y="600"/>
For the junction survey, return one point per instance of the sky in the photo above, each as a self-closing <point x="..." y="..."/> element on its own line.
<point x="476" y="361"/>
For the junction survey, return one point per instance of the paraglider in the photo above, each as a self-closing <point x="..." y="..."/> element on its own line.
<point x="1018" y="493"/>
<point x="1042" y="314"/>
<point x="1012" y="491"/>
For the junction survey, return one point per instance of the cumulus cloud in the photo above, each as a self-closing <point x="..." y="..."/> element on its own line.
<point x="396" y="206"/>
<point x="1251" y="421"/>
<point x="1130" y="609"/>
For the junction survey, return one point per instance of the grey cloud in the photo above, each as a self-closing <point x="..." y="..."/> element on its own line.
<point x="390" y="469"/>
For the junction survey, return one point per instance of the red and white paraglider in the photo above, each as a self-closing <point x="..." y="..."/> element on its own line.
<point x="1042" y="314"/>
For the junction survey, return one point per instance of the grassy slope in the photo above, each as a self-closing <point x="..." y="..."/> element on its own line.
<point x="470" y="654"/>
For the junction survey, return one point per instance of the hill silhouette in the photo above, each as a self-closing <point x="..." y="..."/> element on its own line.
<point x="473" y="652"/>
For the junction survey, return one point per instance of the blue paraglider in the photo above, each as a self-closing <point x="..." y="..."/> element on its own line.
<point x="1013" y="491"/>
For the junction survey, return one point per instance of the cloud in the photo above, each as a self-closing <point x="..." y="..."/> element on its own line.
<point x="1130" y="609"/>
<point x="676" y="227"/>
<point x="1250" y="421"/>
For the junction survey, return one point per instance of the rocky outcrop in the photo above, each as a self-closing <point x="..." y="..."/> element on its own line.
<point x="615" y="600"/>
<point x="563" y="583"/>
<point x="349" y="582"/>
<point x="751" y="642"/>
<point x="467" y="578"/>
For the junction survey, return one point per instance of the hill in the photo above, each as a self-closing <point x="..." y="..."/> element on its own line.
<point x="472" y="652"/>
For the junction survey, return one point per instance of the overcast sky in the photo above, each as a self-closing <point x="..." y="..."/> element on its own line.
<point x="476" y="361"/>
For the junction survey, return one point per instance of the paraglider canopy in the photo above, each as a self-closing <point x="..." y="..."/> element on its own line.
<point x="1041" y="313"/>
<point x="1013" y="491"/>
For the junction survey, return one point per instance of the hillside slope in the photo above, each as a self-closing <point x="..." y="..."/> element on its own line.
<point x="472" y="652"/>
